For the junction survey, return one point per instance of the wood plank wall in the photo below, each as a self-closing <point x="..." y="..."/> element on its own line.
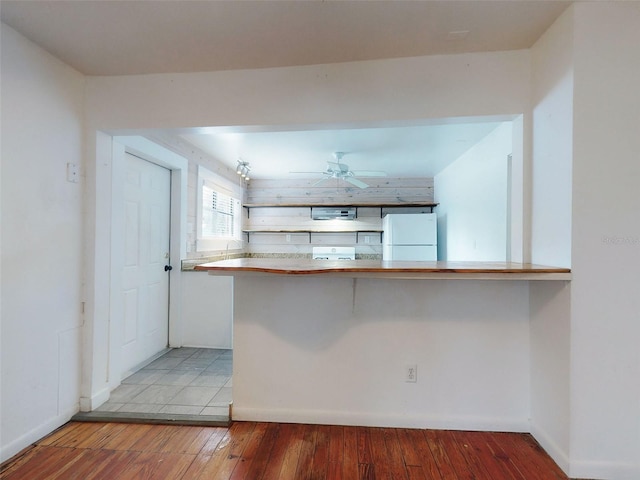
<point x="269" y="220"/>
<point x="381" y="190"/>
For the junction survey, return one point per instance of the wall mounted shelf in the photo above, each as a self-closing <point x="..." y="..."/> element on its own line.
<point x="310" y="232"/>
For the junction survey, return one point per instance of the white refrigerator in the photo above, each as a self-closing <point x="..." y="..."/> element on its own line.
<point x="410" y="237"/>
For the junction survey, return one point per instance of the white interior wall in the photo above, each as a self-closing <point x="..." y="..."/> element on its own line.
<point x="552" y="149"/>
<point x="605" y="306"/>
<point x="41" y="242"/>
<point x="334" y="350"/>
<point x="552" y="96"/>
<point x="472" y="197"/>
<point x="207" y="310"/>
<point x="439" y="87"/>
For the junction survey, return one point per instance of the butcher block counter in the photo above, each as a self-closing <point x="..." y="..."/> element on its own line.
<point x="382" y="269"/>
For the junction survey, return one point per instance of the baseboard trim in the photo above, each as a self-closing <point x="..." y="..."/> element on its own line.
<point x="87" y="404"/>
<point x="605" y="470"/>
<point x="32" y="436"/>
<point x="551" y="447"/>
<point x="379" y="420"/>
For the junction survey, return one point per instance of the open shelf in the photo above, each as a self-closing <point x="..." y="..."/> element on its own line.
<point x="311" y="232"/>
<point x="342" y="204"/>
<point x="382" y="206"/>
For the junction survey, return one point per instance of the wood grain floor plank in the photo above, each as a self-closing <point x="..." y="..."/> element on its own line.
<point x="292" y="453"/>
<point x="416" y="472"/>
<point x="207" y="441"/>
<point x="241" y="470"/>
<point x="366" y="471"/>
<point x="538" y="452"/>
<point x="446" y="469"/>
<point x="87" y="462"/>
<point x="397" y="467"/>
<point x="24" y="456"/>
<point x="416" y="452"/>
<point x="45" y="464"/>
<point x="141" y="467"/>
<point x="182" y="437"/>
<point x="270" y="451"/>
<point x="364" y="445"/>
<point x="457" y="461"/>
<point x="379" y="454"/>
<point x="128" y="437"/>
<point x="350" y="467"/>
<point x="479" y="457"/>
<point x="336" y="453"/>
<point x="155" y="438"/>
<point x="320" y="461"/>
<point x="39" y="455"/>
<point x="196" y="467"/>
<point x="229" y="451"/>
<point x="60" y="432"/>
<point x="77" y="435"/>
<point x="116" y="461"/>
<point x="171" y="466"/>
<point x="280" y="446"/>
<point x="534" y="457"/>
<point x="307" y="449"/>
<point x="101" y="436"/>
<point x="503" y="457"/>
<point x="258" y="464"/>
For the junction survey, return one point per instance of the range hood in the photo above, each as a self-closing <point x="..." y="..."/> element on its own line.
<point x="329" y="213"/>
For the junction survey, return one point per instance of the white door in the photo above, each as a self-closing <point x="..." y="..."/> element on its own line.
<point x="145" y="283"/>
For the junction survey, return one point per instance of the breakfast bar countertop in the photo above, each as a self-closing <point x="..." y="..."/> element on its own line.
<point x="382" y="269"/>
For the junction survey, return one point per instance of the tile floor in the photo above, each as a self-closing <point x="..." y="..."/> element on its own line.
<point x="184" y="381"/>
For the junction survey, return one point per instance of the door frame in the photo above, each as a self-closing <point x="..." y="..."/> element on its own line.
<point x="154" y="153"/>
<point x="105" y="149"/>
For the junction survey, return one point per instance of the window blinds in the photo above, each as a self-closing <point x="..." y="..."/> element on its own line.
<point x="218" y="213"/>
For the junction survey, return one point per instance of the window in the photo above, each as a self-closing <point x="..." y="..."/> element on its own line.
<point x="219" y="213"/>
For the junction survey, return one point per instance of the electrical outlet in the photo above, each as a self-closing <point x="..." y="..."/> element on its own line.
<point x="288" y="237"/>
<point x="411" y="373"/>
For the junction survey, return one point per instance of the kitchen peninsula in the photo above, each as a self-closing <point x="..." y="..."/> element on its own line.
<point x="382" y="269"/>
<point x="329" y="342"/>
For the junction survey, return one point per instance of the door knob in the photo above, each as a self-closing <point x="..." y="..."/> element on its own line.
<point x="168" y="268"/>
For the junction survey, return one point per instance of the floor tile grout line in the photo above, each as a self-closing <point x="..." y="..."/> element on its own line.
<point x="223" y="371"/>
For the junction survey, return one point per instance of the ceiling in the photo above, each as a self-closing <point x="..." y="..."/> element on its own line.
<point x="402" y="151"/>
<point x="109" y="37"/>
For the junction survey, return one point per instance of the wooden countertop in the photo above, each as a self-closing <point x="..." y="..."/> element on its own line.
<point x="378" y="269"/>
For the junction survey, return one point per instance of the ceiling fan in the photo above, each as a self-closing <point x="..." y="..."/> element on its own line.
<point x="341" y="171"/>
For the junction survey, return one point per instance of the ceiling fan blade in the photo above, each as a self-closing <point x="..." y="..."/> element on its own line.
<point x="356" y="182"/>
<point x="369" y="173"/>
<point x="320" y="181"/>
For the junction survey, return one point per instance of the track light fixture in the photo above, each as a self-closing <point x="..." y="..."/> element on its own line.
<point x="243" y="169"/>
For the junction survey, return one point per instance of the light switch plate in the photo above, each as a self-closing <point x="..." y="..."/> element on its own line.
<point x="72" y="173"/>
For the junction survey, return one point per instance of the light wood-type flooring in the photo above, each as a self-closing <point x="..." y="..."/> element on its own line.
<point x="249" y="450"/>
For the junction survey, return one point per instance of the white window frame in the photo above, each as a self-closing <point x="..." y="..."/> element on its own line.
<point x="226" y="187"/>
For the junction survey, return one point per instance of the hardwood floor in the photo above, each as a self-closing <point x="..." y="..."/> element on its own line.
<point x="253" y="451"/>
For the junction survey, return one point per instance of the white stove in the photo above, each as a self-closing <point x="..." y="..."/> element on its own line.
<point x="334" y="253"/>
